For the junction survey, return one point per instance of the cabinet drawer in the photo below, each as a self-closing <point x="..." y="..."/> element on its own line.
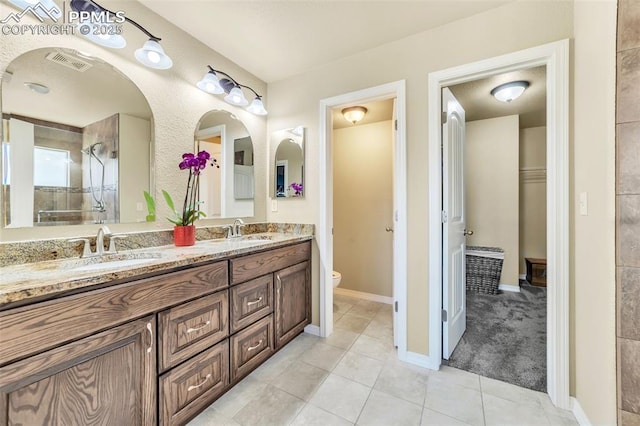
<point x="251" y="301"/>
<point x="255" y="265"/>
<point x="41" y="326"/>
<point x="250" y="347"/>
<point x="187" y="329"/>
<point x="189" y="388"/>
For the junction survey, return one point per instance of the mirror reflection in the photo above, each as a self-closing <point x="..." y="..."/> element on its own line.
<point x="227" y="191"/>
<point x="74" y="127"/>
<point x="288" y="172"/>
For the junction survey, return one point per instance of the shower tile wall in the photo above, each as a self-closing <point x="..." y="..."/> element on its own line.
<point x="628" y="212"/>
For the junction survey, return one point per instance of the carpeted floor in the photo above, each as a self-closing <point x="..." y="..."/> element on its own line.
<point x="506" y="337"/>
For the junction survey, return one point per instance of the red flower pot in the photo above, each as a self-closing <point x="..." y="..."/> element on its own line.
<point x="184" y="235"/>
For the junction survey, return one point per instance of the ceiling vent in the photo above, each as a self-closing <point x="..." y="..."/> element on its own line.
<point x="69" y="61"/>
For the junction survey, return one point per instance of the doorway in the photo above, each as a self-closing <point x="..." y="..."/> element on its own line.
<point x="395" y="91"/>
<point x="554" y="57"/>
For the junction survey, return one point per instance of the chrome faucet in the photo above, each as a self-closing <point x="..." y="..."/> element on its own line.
<point x="102" y="231"/>
<point x="236" y="230"/>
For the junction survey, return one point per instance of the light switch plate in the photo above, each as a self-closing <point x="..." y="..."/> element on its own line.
<point x="584" y="204"/>
<point x="274" y="205"/>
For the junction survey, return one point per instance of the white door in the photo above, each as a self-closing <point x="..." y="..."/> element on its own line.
<point x="453" y="224"/>
<point x="396" y="279"/>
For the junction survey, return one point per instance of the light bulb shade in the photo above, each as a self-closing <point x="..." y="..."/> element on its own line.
<point x="354" y="114"/>
<point x="210" y="83"/>
<point x="509" y="91"/>
<point x="257" y="107"/>
<point x="236" y="97"/>
<point x="49" y="9"/>
<point x="114" y="41"/>
<point x="153" y="56"/>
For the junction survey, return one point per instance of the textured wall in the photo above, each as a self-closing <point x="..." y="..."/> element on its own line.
<point x="628" y="212"/>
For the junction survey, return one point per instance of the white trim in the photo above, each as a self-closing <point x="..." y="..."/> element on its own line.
<point x="395" y="90"/>
<point x="578" y="412"/>
<point x="312" y="329"/>
<point x="419" y="360"/>
<point x="511" y="288"/>
<point x="522" y="276"/>
<point x="556" y="58"/>
<point x="362" y="295"/>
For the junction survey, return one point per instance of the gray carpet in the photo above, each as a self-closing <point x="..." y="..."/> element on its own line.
<point x="506" y="337"/>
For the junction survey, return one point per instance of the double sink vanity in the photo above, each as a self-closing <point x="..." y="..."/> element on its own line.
<point x="147" y="336"/>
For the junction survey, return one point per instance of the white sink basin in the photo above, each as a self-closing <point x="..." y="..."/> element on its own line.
<point x="115" y="264"/>
<point x="106" y="262"/>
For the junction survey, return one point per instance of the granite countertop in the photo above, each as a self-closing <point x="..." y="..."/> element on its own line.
<point x="41" y="280"/>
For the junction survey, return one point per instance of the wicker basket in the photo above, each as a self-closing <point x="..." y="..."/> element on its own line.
<point x="484" y="267"/>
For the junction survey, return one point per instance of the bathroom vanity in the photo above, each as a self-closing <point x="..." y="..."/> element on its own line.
<point x="152" y="344"/>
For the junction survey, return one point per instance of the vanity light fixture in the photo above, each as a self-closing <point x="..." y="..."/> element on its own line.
<point x="354" y="114"/>
<point x="150" y="54"/>
<point x="214" y="85"/>
<point x="509" y="91"/>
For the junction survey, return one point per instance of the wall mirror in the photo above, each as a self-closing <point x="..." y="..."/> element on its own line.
<point x="288" y="167"/>
<point x="73" y="129"/>
<point x="227" y="191"/>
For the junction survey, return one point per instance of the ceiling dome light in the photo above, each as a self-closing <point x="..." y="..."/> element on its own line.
<point x="354" y="114"/>
<point x="509" y="91"/>
<point x="257" y="107"/>
<point x="153" y="56"/>
<point x="114" y="41"/>
<point x="236" y="97"/>
<point x="38" y="88"/>
<point x="210" y="83"/>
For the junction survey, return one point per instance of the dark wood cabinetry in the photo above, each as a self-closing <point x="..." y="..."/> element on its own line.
<point x="90" y="358"/>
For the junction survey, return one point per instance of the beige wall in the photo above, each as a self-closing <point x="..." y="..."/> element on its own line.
<point x="363" y="207"/>
<point x="491" y="188"/>
<point x="533" y="194"/>
<point x="176" y="103"/>
<point x="133" y="167"/>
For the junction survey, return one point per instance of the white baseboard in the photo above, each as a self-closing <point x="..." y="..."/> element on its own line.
<point x="579" y="413"/>
<point x="512" y="288"/>
<point x="312" y="329"/>
<point x="362" y="295"/>
<point x="522" y="276"/>
<point x="419" y="360"/>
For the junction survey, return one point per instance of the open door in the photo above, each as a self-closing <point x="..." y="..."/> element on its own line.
<point x="453" y="224"/>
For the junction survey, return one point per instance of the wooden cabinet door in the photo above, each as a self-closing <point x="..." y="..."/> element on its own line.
<point x="293" y="302"/>
<point x="105" y="379"/>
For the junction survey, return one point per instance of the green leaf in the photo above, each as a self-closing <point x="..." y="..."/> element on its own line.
<point x="169" y="201"/>
<point x="151" y="204"/>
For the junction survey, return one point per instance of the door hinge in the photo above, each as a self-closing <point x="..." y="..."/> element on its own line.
<point x="444" y="315"/>
<point x="443" y="216"/>
<point x="444" y="117"/>
<point x="395" y="306"/>
<point x="395" y="124"/>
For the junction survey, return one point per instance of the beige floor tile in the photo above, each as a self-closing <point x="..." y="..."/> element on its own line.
<point x="314" y="416"/>
<point x="354" y="323"/>
<point x="510" y="392"/>
<point x="367" y="311"/>
<point x="403" y="382"/>
<point x="342" y="397"/>
<point x="336" y="317"/>
<point x="386" y="410"/>
<point x="342" y="339"/>
<point x="341" y="306"/>
<point x="373" y="348"/>
<point x="210" y="417"/>
<point x="433" y="418"/>
<point x="300" y="380"/>
<point x="237" y="397"/>
<point x="274" y="366"/>
<point x="323" y="356"/>
<point x="271" y="407"/>
<point x="300" y="344"/>
<point x="457" y="377"/>
<point x="459" y="402"/>
<point x="359" y="368"/>
<point x="499" y="411"/>
<point x="558" y="420"/>
<point x="551" y="409"/>
<point x="344" y="299"/>
<point x="379" y="331"/>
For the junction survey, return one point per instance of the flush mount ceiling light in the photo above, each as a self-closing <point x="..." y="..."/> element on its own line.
<point x="38" y="88"/>
<point x="212" y="84"/>
<point x="509" y="91"/>
<point x="150" y="54"/>
<point x="354" y="114"/>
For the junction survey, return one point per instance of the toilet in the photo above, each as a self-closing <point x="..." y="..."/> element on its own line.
<point x="336" y="278"/>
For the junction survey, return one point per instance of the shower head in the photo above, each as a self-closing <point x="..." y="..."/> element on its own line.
<point x="91" y="149"/>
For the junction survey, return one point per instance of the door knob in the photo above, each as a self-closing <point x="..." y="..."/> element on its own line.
<point x="388" y="229"/>
<point x="468" y="232"/>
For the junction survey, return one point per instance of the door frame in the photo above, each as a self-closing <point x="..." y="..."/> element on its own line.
<point x="555" y="56"/>
<point x="395" y="90"/>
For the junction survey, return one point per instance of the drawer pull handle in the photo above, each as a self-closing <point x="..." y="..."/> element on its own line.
<point x="253" y="302"/>
<point x="150" y="330"/>
<point x="192" y="387"/>
<point x="257" y="345"/>
<point x="200" y="327"/>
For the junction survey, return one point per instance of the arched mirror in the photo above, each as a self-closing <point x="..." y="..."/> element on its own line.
<point x="227" y="191"/>
<point x="288" y="168"/>
<point x="74" y="130"/>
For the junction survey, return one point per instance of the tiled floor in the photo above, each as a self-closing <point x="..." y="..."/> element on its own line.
<point x="354" y="377"/>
